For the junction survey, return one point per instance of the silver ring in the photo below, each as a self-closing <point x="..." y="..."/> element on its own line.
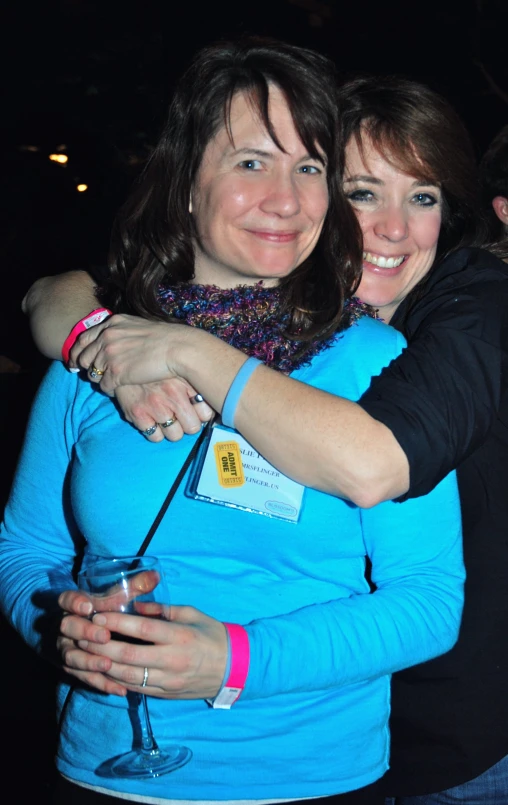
<point x="149" y="431"/>
<point x="197" y="399"/>
<point x="145" y="678"/>
<point x="168" y="423"/>
<point x="95" y="373"/>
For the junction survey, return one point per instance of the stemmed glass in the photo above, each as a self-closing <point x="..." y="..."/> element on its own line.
<point x="134" y="585"/>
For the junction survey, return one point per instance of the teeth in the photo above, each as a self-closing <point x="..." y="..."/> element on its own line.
<point x="383" y="262"/>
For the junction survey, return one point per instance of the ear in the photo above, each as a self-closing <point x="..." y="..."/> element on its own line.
<point x="500" y="205"/>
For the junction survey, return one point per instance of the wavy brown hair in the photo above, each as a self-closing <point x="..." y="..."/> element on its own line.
<point x="154" y="233"/>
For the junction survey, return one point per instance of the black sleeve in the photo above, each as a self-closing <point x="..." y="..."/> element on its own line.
<point x="441" y="397"/>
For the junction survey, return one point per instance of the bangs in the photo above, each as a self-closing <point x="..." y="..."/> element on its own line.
<point x="398" y="149"/>
<point x="257" y="93"/>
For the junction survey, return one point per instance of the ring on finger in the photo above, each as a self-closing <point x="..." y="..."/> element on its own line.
<point x="95" y="373"/>
<point x="149" y="431"/>
<point x="168" y="422"/>
<point x="198" y="398"/>
<point x="145" y="678"/>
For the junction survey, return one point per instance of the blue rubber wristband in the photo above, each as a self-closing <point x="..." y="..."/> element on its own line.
<point x="236" y="391"/>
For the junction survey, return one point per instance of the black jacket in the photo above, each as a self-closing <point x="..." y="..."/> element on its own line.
<point x="446" y="401"/>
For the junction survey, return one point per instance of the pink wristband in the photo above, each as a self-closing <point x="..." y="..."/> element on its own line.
<point x="93" y="318"/>
<point x="239" y="667"/>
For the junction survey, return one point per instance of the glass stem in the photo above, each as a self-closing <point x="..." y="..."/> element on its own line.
<point x="147" y="737"/>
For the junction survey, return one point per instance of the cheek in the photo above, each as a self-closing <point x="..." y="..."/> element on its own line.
<point x="219" y="207"/>
<point x="426" y="232"/>
<point x="363" y="220"/>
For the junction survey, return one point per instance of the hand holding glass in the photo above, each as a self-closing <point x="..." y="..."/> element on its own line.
<point x="134" y="585"/>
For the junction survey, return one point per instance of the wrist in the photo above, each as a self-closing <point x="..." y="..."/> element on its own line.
<point x="237" y="668"/>
<point x="90" y="320"/>
<point x="207" y="363"/>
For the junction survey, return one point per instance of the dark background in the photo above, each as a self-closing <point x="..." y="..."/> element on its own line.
<point x="91" y="80"/>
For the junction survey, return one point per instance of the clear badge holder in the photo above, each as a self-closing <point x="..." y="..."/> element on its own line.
<point x="228" y="471"/>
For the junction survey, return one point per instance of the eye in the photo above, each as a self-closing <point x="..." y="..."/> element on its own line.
<point x="425" y="199"/>
<point x="310" y="169"/>
<point x="361" y="195"/>
<point x="250" y="164"/>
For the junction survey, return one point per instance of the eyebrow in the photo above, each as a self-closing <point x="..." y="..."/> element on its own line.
<point x="374" y="180"/>
<point x="269" y="155"/>
<point x="258" y="152"/>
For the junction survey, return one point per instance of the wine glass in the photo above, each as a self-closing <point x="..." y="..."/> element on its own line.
<point x="134" y="585"/>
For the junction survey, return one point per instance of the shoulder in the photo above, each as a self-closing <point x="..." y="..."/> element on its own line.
<point x="63" y="392"/>
<point x="466" y="291"/>
<point x="379" y="340"/>
<point x="355" y="355"/>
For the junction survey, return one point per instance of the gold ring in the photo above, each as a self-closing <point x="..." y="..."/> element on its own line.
<point x="95" y="373"/>
<point x="168" y="423"/>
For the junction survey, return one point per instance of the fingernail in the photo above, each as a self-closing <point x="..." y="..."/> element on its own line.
<point x="99" y="620"/>
<point x="74" y="369"/>
<point x="85" y="608"/>
<point x="83" y="644"/>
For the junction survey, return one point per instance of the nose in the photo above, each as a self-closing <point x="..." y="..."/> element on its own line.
<point x="281" y="196"/>
<point x="392" y="224"/>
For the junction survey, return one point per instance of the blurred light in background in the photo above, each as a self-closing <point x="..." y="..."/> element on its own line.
<point x="61" y="158"/>
<point x="81" y="188"/>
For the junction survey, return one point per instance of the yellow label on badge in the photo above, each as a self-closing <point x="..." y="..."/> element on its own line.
<point x="229" y="464"/>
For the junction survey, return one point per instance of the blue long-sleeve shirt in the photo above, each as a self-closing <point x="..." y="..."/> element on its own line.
<point x="313" y="718"/>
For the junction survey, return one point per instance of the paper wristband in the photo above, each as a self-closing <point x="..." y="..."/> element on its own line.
<point x="236" y="390"/>
<point x="239" y="656"/>
<point x="93" y="318"/>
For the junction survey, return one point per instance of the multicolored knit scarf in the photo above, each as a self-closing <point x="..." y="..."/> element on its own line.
<point x="249" y="318"/>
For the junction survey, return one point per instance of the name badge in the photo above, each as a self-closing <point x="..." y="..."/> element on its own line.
<point x="228" y="471"/>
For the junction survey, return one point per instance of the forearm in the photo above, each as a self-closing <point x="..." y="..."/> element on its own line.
<point x="414" y="614"/>
<point x="54" y="305"/>
<point x="319" y="440"/>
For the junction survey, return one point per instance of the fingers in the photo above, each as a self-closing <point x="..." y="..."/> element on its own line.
<point x="78" y="628"/>
<point x="145" y="629"/>
<point x="183" y="660"/>
<point x="86" y="666"/>
<point x="75" y="601"/>
<point x="76" y="358"/>
<point x="98" y="681"/>
<point x="201" y="407"/>
<point x="162" y="410"/>
<point x="80" y="660"/>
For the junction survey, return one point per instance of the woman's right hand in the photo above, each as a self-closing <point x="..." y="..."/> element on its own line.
<point x="75" y="625"/>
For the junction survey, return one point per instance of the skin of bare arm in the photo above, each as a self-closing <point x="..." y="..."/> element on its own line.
<point x="54" y="305"/>
<point x="322" y="441"/>
<point x="346" y="452"/>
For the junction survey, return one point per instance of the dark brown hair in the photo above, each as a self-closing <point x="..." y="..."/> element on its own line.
<point x="153" y="236"/>
<point x="419" y="132"/>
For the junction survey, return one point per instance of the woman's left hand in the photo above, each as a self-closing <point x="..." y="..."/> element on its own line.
<point x="185" y="659"/>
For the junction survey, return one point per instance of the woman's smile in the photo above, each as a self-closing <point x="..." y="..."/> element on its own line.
<point x="274" y="237"/>
<point x="378" y="261"/>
